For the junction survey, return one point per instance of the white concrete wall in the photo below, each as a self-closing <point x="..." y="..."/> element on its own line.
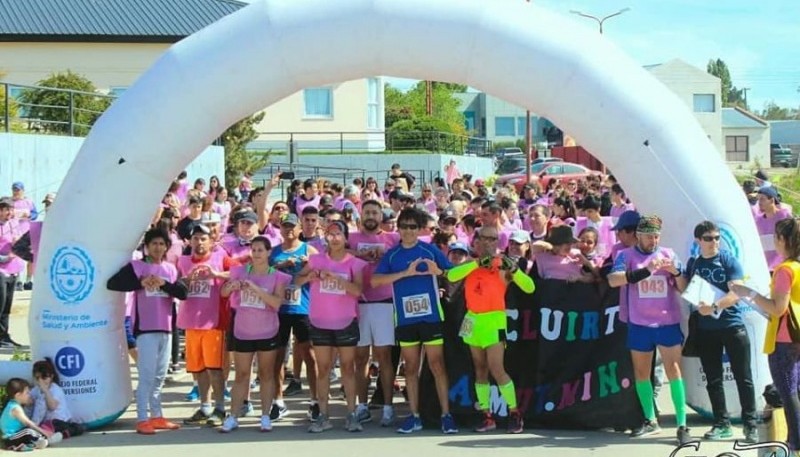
<point x="758" y="144"/>
<point x="42" y="162"/>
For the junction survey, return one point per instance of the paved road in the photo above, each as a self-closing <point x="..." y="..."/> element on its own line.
<point x="290" y="436"/>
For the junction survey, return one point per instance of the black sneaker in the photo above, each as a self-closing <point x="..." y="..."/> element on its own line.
<point x="28" y="286"/>
<point x="293" y="388"/>
<point x="751" y="435"/>
<point x="648" y="428"/>
<point x="216" y="418"/>
<point x="683" y="435"/>
<point x="277" y="413"/>
<point x="198" y="418"/>
<point x="313" y="412"/>
<point x="7" y="342"/>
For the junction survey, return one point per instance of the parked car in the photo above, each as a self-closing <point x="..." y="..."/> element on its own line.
<point x="543" y="172"/>
<point x="516" y="164"/>
<point x="781" y="156"/>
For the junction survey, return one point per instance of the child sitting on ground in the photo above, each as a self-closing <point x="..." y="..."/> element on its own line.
<point x="18" y="431"/>
<point x="50" y="409"/>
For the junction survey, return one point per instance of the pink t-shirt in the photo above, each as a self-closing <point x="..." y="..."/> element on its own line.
<point x="653" y="301"/>
<point x="36" y="237"/>
<point x="10" y="232"/>
<point x="300" y="203"/>
<point x="224" y="211"/>
<point x="200" y="310"/>
<point x="273" y="234"/>
<point x="255" y="320"/>
<point x="606" y="237"/>
<point x="551" y="266"/>
<point x="766" y="230"/>
<point x="616" y="211"/>
<point x="239" y="250"/>
<point x="23" y="206"/>
<point x="153" y="307"/>
<point x="381" y="242"/>
<point x="183" y="191"/>
<point x="331" y="307"/>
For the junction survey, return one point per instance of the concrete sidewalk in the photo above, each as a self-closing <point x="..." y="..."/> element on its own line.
<point x="290" y="435"/>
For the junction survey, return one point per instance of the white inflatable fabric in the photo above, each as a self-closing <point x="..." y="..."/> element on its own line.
<point x="271" y="49"/>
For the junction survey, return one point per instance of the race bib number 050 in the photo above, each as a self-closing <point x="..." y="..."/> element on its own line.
<point x="417" y="306"/>
<point x="653" y="287"/>
<point x="331" y="285"/>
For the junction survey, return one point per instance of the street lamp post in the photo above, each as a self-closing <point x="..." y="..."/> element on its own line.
<point x="528" y="142"/>
<point x="600" y="20"/>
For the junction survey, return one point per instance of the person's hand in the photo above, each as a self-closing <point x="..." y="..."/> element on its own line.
<point x="412" y="268"/>
<point x="200" y="272"/>
<point x="276" y="178"/>
<point x="705" y="309"/>
<point x="742" y="291"/>
<point x="43" y="386"/>
<point x="248" y="284"/>
<point x="234" y="285"/>
<point x="433" y="269"/>
<point x="485" y="261"/>
<point x="508" y="264"/>
<point x="157" y="282"/>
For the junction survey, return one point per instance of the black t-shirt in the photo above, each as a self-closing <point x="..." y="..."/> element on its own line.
<point x="185" y="227"/>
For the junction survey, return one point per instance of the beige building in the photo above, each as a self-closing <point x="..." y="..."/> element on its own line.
<point x="700" y="91"/>
<point x="747" y="139"/>
<point x="112" y="45"/>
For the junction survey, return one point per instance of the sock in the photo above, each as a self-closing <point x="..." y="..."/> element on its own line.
<point x="482" y="392"/>
<point x="206" y="409"/>
<point x="219" y="407"/>
<point x="678" y="391"/>
<point x="280" y="403"/>
<point x="509" y="394"/>
<point x="644" y="390"/>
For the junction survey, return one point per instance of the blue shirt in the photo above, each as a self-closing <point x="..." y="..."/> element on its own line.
<point x="718" y="271"/>
<point x="416" y="298"/>
<point x="295" y="300"/>
<point x="9" y="424"/>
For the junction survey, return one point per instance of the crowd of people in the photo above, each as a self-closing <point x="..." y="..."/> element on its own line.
<point x="356" y="274"/>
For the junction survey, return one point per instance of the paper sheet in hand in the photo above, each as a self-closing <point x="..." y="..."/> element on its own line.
<point x="700" y="290"/>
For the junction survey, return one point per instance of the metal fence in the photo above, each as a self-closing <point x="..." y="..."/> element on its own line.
<point x="35" y="109"/>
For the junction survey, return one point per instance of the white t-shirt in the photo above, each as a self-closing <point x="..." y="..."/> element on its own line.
<point x="40" y="411"/>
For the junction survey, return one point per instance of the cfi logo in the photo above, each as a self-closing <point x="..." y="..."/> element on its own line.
<point x="729" y="241"/>
<point x="70" y="361"/>
<point x="71" y="274"/>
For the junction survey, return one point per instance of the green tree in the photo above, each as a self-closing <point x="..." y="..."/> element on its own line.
<point x="238" y="160"/>
<point x="410" y="105"/>
<point x="731" y="96"/>
<point x="12" y="105"/>
<point x="773" y="112"/>
<point x="76" y="107"/>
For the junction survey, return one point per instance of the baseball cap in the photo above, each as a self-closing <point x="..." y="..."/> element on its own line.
<point x="520" y="236"/>
<point x="6" y="202"/>
<point x="649" y="224"/>
<point x="561" y="234"/>
<point x="768" y="191"/>
<point x="200" y="228"/>
<point x="398" y="194"/>
<point x="458" y="246"/>
<point x="388" y="215"/>
<point x="326" y="200"/>
<point x="249" y="216"/>
<point x="18" y="186"/>
<point x="210" y="218"/>
<point x="627" y="219"/>
<point x="448" y="213"/>
<point x="290" y="219"/>
<point x="49" y="198"/>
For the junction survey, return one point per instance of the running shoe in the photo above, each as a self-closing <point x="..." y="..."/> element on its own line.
<point x="229" y="424"/>
<point x="515" y="423"/>
<point x="352" y="424"/>
<point x="193" y="394"/>
<point x="387" y="419"/>
<point x="411" y="424"/>
<point x="247" y="409"/>
<point x="159" y="423"/>
<point x="449" y="424"/>
<point x="321" y="424"/>
<point x="293" y="388"/>
<point x="216" y="418"/>
<point x="198" y="418"/>
<point x="277" y="413"/>
<point x="487" y="424"/>
<point x="266" y="424"/>
<point x="648" y="428"/>
<point x="363" y="415"/>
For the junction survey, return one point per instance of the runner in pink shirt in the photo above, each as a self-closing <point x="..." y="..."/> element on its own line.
<point x="336" y="279"/>
<point x="10" y="267"/>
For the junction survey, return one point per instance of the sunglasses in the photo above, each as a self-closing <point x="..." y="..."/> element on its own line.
<point x="709" y="238"/>
<point x="408" y="226"/>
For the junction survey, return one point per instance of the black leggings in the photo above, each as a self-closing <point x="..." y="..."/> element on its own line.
<point x="23" y="438"/>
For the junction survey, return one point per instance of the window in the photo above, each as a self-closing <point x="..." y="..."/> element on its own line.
<point x="373" y="95"/>
<point x="318" y="102"/>
<point x="521" y="126"/>
<point x="573" y="169"/>
<point x="469" y="120"/>
<point x="555" y="170"/>
<point x="704" y="103"/>
<point x="737" y="148"/>
<point x="504" y="126"/>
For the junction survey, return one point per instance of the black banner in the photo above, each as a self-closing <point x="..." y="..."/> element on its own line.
<point x="566" y="354"/>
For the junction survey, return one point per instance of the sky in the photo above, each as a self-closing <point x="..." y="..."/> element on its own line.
<point x="758" y="39"/>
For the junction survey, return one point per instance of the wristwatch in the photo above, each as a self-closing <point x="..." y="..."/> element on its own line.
<point x="715" y="307"/>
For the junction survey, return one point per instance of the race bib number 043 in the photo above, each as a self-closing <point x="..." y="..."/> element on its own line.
<point x="653" y="287"/>
<point x="417" y="306"/>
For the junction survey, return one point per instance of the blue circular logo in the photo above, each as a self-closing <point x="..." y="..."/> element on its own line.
<point x="69" y="361"/>
<point x="729" y="241"/>
<point x="71" y="274"/>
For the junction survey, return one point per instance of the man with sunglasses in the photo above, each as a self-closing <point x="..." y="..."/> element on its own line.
<point x="411" y="268"/>
<point x="721" y="325"/>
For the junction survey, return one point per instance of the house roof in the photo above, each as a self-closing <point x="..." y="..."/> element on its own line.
<point x="785" y="132"/>
<point x="737" y="118"/>
<point x="162" y="21"/>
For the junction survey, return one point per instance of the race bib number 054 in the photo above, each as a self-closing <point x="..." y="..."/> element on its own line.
<point x="417" y="306"/>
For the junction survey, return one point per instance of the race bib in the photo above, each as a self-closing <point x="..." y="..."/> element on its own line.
<point x="200" y="288"/>
<point x="364" y="247"/>
<point x="249" y="299"/>
<point x="768" y="242"/>
<point x="291" y="296"/>
<point x="466" y="327"/>
<point x="331" y="285"/>
<point x="417" y="306"/>
<point x="157" y="292"/>
<point x="653" y="287"/>
<point x="18" y="213"/>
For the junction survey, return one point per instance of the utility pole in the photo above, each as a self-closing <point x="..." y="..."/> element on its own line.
<point x="528" y="142"/>
<point x="744" y="94"/>
<point x="429" y="98"/>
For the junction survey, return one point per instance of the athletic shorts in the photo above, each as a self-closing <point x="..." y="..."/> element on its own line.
<point x="645" y="339"/>
<point x="346" y="337"/>
<point x="421" y="333"/>
<point x="293" y="323"/>
<point x="129" y="333"/>
<point x="376" y="324"/>
<point x="204" y="349"/>
<point x="483" y="330"/>
<point x="265" y="345"/>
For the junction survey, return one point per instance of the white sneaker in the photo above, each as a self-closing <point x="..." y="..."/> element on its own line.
<point x="266" y="424"/>
<point x="388" y="417"/>
<point x="55" y="438"/>
<point x="229" y="424"/>
<point x="41" y="443"/>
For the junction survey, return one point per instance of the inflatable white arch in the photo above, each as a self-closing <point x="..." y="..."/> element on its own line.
<point x="272" y="49"/>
